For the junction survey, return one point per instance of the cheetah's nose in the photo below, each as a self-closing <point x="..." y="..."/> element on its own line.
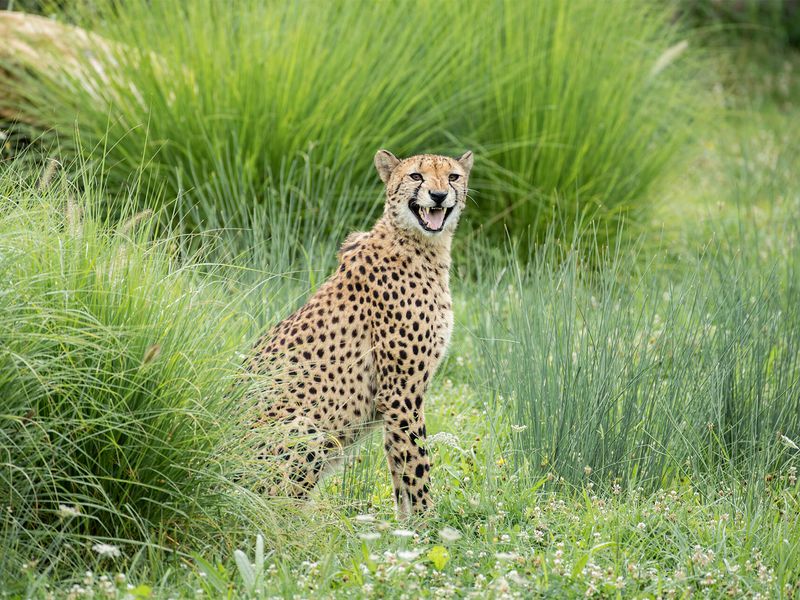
<point x="437" y="197"/>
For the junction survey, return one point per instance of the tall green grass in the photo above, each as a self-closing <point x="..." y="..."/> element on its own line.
<point x="574" y="109"/>
<point x="622" y="375"/>
<point x="586" y="109"/>
<point x="119" y="419"/>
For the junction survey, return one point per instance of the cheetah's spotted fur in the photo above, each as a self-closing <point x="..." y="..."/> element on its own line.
<point x="364" y="347"/>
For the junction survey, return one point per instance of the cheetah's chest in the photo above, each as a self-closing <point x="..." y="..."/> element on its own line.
<point x="417" y="314"/>
<point x="442" y="321"/>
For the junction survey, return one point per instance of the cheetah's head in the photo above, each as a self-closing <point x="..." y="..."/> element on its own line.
<point x="424" y="193"/>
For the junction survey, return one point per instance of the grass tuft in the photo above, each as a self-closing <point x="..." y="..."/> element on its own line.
<point x="119" y="420"/>
<point x="622" y="375"/>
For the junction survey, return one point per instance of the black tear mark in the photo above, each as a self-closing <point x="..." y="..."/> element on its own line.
<point x="416" y="192"/>
<point x="455" y="191"/>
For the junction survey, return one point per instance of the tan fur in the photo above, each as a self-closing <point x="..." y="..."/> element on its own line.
<point x="363" y="349"/>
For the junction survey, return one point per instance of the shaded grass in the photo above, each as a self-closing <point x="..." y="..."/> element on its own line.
<point x="775" y="21"/>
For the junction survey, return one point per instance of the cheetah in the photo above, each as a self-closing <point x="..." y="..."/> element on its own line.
<point x="363" y="349"/>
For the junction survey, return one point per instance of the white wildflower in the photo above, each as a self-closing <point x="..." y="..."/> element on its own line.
<point x="702" y="557"/>
<point x="369" y="536"/>
<point x="445" y="438"/>
<point x="449" y="535"/>
<point x="506" y="555"/>
<point x="403" y="533"/>
<point x="408" y="555"/>
<point x="365" y="518"/>
<point x="107" y="550"/>
<point x="66" y="511"/>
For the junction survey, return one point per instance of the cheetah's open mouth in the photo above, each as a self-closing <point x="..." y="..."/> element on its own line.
<point x="430" y="219"/>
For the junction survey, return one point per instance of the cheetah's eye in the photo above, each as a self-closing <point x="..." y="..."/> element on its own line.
<point x="454" y="176"/>
<point x="416" y="176"/>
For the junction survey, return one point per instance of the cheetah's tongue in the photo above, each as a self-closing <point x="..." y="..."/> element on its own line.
<point x="433" y="218"/>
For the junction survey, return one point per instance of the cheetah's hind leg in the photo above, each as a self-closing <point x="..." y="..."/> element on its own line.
<point x="296" y="457"/>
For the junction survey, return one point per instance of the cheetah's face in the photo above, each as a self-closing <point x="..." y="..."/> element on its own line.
<point x="424" y="193"/>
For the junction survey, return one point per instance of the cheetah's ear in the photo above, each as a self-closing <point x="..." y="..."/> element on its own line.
<point x="465" y="160"/>
<point x="385" y="163"/>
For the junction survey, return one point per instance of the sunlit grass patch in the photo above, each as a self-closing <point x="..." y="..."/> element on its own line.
<point x="575" y="110"/>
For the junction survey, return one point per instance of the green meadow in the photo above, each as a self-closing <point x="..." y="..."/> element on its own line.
<point x="618" y="415"/>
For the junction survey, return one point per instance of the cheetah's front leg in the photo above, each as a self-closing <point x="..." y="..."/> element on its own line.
<point x="409" y="464"/>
